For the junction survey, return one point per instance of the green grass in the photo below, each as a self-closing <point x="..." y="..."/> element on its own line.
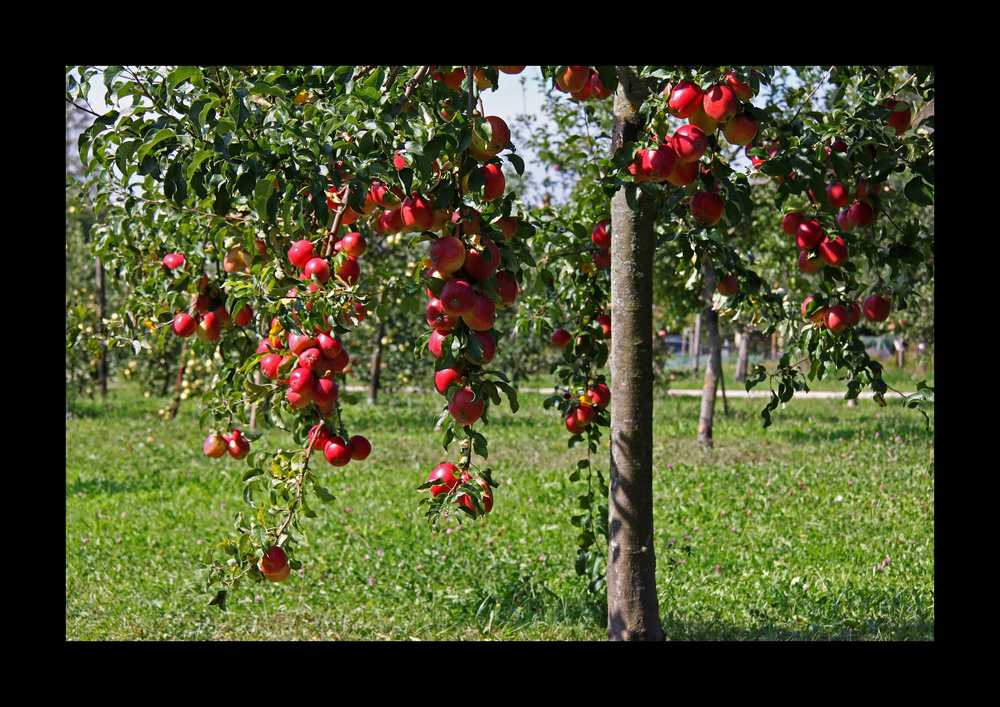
<point x="777" y="534"/>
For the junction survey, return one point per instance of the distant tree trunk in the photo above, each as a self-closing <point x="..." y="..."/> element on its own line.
<point x="102" y="363"/>
<point x="376" y="370"/>
<point x="633" y="608"/>
<point x="713" y="367"/>
<point x="172" y="413"/>
<point x="900" y="346"/>
<point x="696" y="343"/>
<point x="742" y="356"/>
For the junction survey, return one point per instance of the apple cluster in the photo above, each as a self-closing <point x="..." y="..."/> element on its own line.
<point x="582" y="83"/>
<point x="209" y="313"/>
<point x="446" y="479"/>
<point x="218" y="443"/>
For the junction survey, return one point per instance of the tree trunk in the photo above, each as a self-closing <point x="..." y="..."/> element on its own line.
<point x="742" y="356"/>
<point x="633" y="608"/>
<point x="696" y="343"/>
<point x="102" y="363"/>
<point x="376" y="370"/>
<point x="713" y="367"/>
<point x="172" y="413"/>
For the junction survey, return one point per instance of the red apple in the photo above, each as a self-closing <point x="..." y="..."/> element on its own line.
<point x="318" y="267"/>
<point x="354" y="244"/>
<point x="808" y="235"/>
<point x="561" y="337"/>
<point x="457" y="297"/>
<point x="836" y="195"/>
<point x="833" y="251"/>
<point x="790" y="222"/>
<point x="319" y="435"/>
<point x="337" y="452"/>
<point x="817" y="316"/>
<point x="807" y="264"/>
<point x="597" y="89"/>
<point x="489" y="345"/>
<point x="238" y="446"/>
<point x="706" y="208"/>
<point x="447" y="254"/>
<point x="720" y="103"/>
<point x="444" y="377"/>
<point x="173" y="260"/>
<point x="602" y="258"/>
<point x="573" y="424"/>
<point x="269" y="365"/>
<point x="584" y="414"/>
<point x="837" y="318"/>
<point x="684" y="99"/>
<point x="573" y="78"/>
<point x="483" y="315"/>
<point x="876" y="308"/>
<point x="600" y="236"/>
<point x="329" y="345"/>
<point x="861" y="214"/>
<point x="417" y="212"/>
<point x="446" y="473"/>
<point x="899" y="119"/>
<point x="438" y="318"/>
<point x="507" y="226"/>
<point x="487" y="499"/>
<point x="484" y="150"/>
<point x="385" y="196"/>
<point x="215" y="446"/>
<point x="325" y="391"/>
<point x="475" y="262"/>
<point x="600" y="395"/>
<point x="740" y="130"/>
<point x="727" y="286"/>
<point x="684" y="173"/>
<point x="298" y="343"/>
<point x="507" y="289"/>
<point x="434" y="344"/>
<point x="301" y="380"/>
<point x="184" y="324"/>
<point x="495" y="183"/>
<point x="741" y="89"/>
<point x="300" y="253"/>
<point x="464" y="407"/>
<point x="360" y="447"/>
<point x="604" y="321"/>
<point x="659" y="163"/>
<point x="208" y="327"/>
<point x="273" y="563"/>
<point x="689" y="143"/>
<point x="347" y="271"/>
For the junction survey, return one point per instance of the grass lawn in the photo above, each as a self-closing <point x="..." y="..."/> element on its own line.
<point x="820" y="527"/>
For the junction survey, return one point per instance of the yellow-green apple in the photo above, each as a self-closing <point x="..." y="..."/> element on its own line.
<point x="706" y="208"/>
<point x="236" y="260"/>
<point x="464" y="408"/>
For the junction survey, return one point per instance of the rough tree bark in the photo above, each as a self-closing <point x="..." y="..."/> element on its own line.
<point x="633" y="608"/>
<point x="713" y="366"/>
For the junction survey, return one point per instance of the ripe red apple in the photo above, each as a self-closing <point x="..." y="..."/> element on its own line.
<point x="444" y="377"/>
<point x="600" y="395"/>
<point x="347" y="271"/>
<point x="684" y="173"/>
<point x="184" y="324"/>
<point x="447" y="254"/>
<point x="602" y="258"/>
<point x="876" y="308"/>
<point x="740" y="130"/>
<point x="489" y="345"/>
<point x="360" y="447"/>
<point x="507" y="226"/>
<point x="855" y="313"/>
<point x="457" y="297"/>
<point x="298" y="399"/>
<point x="464" y="407"/>
<point x="836" y="195"/>
<point x="417" y="212"/>
<point x="561" y="337"/>
<point x="727" y="286"/>
<point x="318" y="267"/>
<point x="706" y="208"/>
<point x="689" y="143"/>
<point x="495" y="183"/>
<point x="899" y="119"/>
<point x="300" y="253"/>
<point x="329" y="345"/>
<point x="684" y="99"/>
<point x="341" y="361"/>
<point x="507" y="289"/>
<point x="861" y="214"/>
<point x="301" y="380"/>
<point x="208" y="327"/>
<point x="817" y="316"/>
<point x="808" y="235"/>
<point x="483" y="314"/>
<point x="597" y="88"/>
<point x="222" y="314"/>
<point x="741" y="89"/>
<point x="485" y="150"/>
<point x="604" y="321"/>
<point x="659" y="163"/>
<point x="438" y="318"/>
<point x="325" y="391"/>
<point x="837" y="318"/>
<point x="584" y="414"/>
<point x="447" y="474"/>
<point x="300" y="342"/>
<point x="337" y="452"/>
<point x="238" y="446"/>
<point x="273" y="563"/>
<point x="475" y="262"/>
<point x="319" y="435"/>
<point x="237" y="259"/>
<point x="833" y="251"/>
<point x="434" y="344"/>
<point x="573" y="424"/>
<point x="390" y="221"/>
<point x="790" y="222"/>
<point x="173" y="260"/>
<point x="385" y="196"/>
<point x="510" y="69"/>
<point x="487" y="500"/>
<point x="600" y="236"/>
<point x="720" y="103"/>
<point x="354" y="244"/>
<point x="215" y="446"/>
<point x="807" y="264"/>
<point x="269" y="365"/>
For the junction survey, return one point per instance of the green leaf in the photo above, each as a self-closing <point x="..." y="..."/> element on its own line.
<point x="164" y="134"/>
<point x="919" y="192"/>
